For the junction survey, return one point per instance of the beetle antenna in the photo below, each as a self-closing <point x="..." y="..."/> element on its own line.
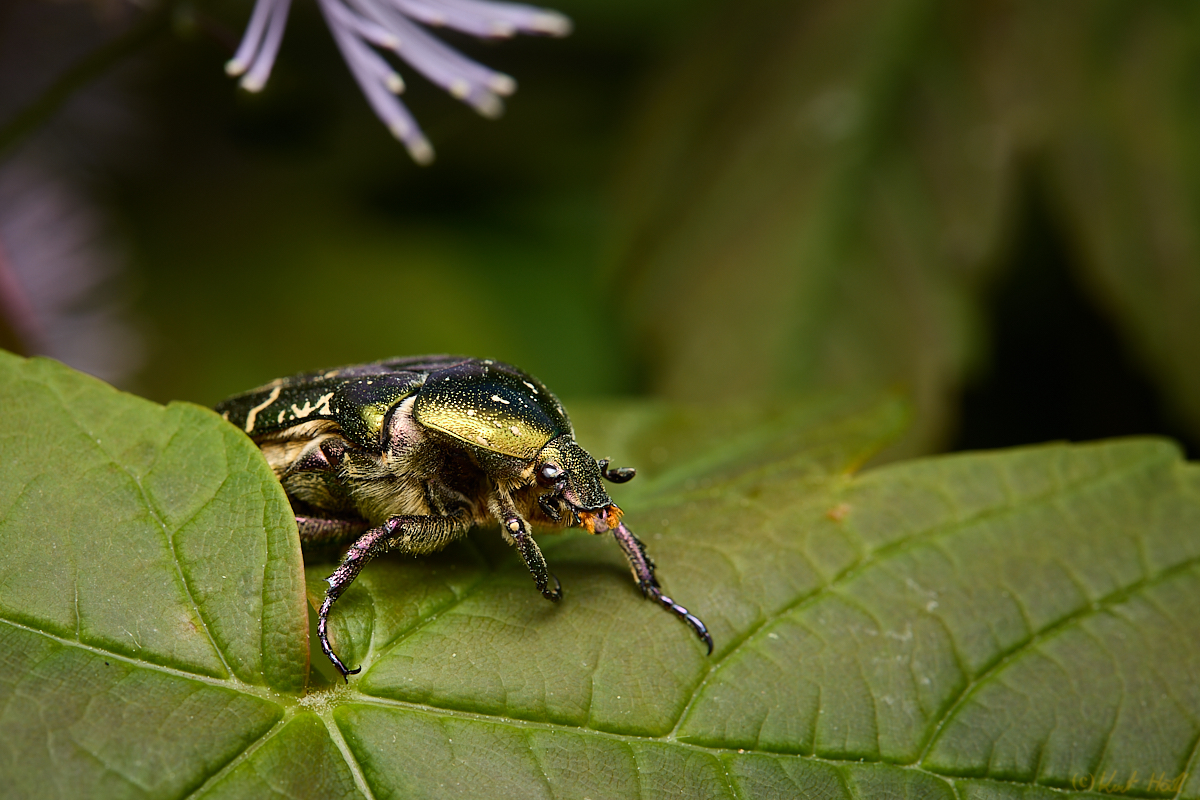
<point x="616" y="475"/>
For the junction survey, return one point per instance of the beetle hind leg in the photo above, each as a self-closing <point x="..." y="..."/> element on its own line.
<point x="643" y="573"/>
<point x="318" y="530"/>
<point x="416" y="535"/>
<point x="323" y="635"/>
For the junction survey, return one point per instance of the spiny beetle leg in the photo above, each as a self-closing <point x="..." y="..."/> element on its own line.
<point x="318" y="530"/>
<point x="643" y="573"/>
<point x="363" y="550"/>
<point x="323" y="635"/>
<point x="534" y="560"/>
<point x="406" y="534"/>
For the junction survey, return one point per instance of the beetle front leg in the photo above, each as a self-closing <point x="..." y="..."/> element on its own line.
<point x="517" y="529"/>
<point x="416" y="535"/>
<point x="643" y="573"/>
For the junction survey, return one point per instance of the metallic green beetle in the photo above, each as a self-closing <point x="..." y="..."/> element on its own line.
<point x="409" y="454"/>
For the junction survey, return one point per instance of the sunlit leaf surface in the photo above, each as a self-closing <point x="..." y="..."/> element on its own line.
<point x="988" y="625"/>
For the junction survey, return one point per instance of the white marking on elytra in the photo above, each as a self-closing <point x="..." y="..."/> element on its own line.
<point x="532" y="388"/>
<point x="253" y="415"/>
<point x="281" y="413"/>
<point x="514" y="525"/>
<point x="515" y="431"/>
<point x="470" y="412"/>
<point x="500" y="399"/>
<point x="322" y="405"/>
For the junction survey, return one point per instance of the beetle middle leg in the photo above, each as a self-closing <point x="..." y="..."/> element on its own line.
<point x="415" y="535"/>
<point x="643" y="573"/>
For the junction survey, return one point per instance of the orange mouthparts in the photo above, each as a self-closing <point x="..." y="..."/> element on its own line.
<point x="600" y="521"/>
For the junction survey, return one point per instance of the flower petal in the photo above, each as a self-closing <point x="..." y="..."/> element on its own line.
<point x="392" y="25"/>
<point x="366" y="66"/>
<point x="260" y="68"/>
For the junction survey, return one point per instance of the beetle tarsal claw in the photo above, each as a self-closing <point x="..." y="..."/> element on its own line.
<point x="555" y="594"/>
<point x="323" y="636"/>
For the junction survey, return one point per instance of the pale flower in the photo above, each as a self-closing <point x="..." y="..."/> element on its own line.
<point x="360" y="26"/>
<point x="62" y="293"/>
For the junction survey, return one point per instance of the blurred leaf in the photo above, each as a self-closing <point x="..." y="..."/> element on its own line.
<point x="810" y="204"/>
<point x="819" y="193"/>
<point x="1126" y="167"/>
<point x="993" y="625"/>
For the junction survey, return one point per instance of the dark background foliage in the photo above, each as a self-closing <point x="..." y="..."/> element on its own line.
<point x="993" y="205"/>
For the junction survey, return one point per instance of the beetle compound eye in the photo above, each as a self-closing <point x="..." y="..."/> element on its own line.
<point x="548" y="475"/>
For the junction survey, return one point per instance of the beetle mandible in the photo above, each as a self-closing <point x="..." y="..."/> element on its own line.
<point x="408" y="454"/>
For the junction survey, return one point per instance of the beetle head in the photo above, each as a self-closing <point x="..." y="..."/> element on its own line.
<point x="566" y="471"/>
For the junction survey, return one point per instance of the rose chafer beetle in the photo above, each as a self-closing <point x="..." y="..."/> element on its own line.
<point x="408" y="454"/>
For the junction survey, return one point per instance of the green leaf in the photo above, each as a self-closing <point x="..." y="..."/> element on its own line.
<point x="820" y="194"/>
<point x="1125" y="164"/>
<point x="150" y="590"/>
<point x="998" y="625"/>
<point x="812" y="200"/>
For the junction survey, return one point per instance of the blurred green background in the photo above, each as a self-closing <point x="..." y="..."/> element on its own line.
<point x="994" y="206"/>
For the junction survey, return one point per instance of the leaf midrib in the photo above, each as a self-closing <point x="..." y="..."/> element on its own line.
<point x="232" y="683"/>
